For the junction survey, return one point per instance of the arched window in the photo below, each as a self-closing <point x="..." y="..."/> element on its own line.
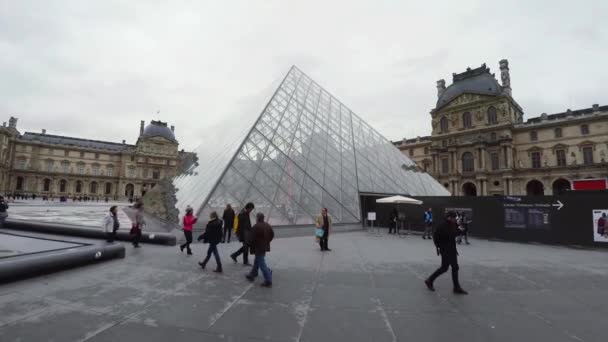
<point x="62" y="185"/>
<point x="492" y="118"/>
<point x="468" y="162"/>
<point x="466" y="120"/>
<point x="47" y="185"/>
<point x="443" y="123"/>
<point x="78" y="187"/>
<point x="93" y="187"/>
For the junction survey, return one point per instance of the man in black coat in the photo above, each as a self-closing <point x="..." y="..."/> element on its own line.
<point x="228" y="218"/>
<point x="445" y="242"/>
<point x="243" y="232"/>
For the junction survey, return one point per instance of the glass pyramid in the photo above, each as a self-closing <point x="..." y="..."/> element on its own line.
<point x="306" y="151"/>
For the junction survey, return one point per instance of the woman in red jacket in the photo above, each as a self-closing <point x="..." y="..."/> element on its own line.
<point x="188" y="221"/>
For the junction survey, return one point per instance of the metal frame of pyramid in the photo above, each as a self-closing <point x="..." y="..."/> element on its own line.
<point x="305" y="151"/>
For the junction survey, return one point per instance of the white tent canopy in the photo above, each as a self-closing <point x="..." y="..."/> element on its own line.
<point x="399" y="200"/>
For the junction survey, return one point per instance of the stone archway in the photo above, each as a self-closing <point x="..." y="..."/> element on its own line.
<point x="535" y="188"/>
<point x="469" y="189"/>
<point x="560" y="186"/>
<point x="129" y="190"/>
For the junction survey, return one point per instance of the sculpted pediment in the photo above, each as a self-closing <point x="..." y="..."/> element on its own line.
<point x="465" y="98"/>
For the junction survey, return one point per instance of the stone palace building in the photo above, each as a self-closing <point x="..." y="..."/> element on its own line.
<point x="55" y="166"/>
<point x="481" y="145"/>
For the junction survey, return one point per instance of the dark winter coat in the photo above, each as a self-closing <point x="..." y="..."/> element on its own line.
<point x="228" y="218"/>
<point x="262" y="234"/>
<point x="213" y="232"/>
<point x="445" y="237"/>
<point x="244" y="229"/>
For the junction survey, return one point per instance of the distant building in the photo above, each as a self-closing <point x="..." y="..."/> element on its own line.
<point x="54" y="166"/>
<point x="481" y="145"/>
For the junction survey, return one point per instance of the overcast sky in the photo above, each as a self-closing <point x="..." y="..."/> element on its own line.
<point x="94" y="69"/>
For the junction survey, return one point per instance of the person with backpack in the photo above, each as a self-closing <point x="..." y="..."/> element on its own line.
<point x="111" y="224"/>
<point x="3" y="211"/>
<point x="243" y="232"/>
<point x="444" y="238"/>
<point x="428" y="224"/>
<point x="213" y="236"/>
<point x="188" y="221"/>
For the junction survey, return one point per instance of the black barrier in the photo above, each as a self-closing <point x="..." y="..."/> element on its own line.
<point x="567" y="219"/>
<point x="31" y="265"/>
<point x="167" y="239"/>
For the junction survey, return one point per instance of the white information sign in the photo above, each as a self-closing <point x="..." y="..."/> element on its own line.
<point x="371" y="216"/>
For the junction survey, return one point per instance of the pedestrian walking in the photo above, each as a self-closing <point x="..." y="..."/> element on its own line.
<point x="262" y="235"/>
<point x="445" y="243"/>
<point x="243" y="233"/>
<point x="111" y="224"/>
<point x="392" y="228"/>
<point x="213" y="236"/>
<point x="324" y="222"/>
<point x="228" y="218"/>
<point x="188" y="221"/>
<point x="463" y="225"/>
<point x="3" y="211"/>
<point x="138" y="224"/>
<point x="428" y="224"/>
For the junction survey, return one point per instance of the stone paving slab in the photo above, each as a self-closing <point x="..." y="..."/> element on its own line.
<point x="367" y="289"/>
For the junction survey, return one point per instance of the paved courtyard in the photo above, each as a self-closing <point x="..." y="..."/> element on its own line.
<point x="79" y="213"/>
<point x="367" y="289"/>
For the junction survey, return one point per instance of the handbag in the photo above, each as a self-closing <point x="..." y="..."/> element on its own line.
<point x="319" y="232"/>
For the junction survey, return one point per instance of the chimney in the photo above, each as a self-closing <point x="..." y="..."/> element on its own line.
<point x="124" y="142"/>
<point x="505" y="77"/>
<point x="141" y="128"/>
<point x="43" y="131"/>
<point x="596" y="108"/>
<point x="4" y="124"/>
<point x="440" y="87"/>
<point x="173" y="129"/>
<point x="12" y="122"/>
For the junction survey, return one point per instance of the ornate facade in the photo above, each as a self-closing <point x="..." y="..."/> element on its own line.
<point x="54" y="166"/>
<point x="481" y="145"/>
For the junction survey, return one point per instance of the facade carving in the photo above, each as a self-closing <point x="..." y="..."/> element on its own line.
<point x="56" y="166"/>
<point x="492" y="151"/>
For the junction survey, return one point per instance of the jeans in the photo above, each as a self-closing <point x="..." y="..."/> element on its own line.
<point x="227" y="232"/>
<point x="111" y="236"/>
<point x="448" y="260"/>
<point x="188" y="235"/>
<point x="243" y="250"/>
<point x="136" y="233"/>
<point x="428" y="231"/>
<point x="260" y="263"/>
<point x="213" y="250"/>
<point x="323" y="240"/>
<point x="3" y="217"/>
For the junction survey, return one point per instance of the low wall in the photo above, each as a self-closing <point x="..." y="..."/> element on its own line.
<point x="167" y="239"/>
<point x="30" y="265"/>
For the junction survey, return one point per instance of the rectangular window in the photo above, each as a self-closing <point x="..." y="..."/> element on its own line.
<point x="445" y="166"/>
<point x="66" y="153"/>
<point x="558" y="132"/>
<point x="411" y="152"/>
<point x="95" y="170"/>
<point x="561" y="157"/>
<point x="110" y="171"/>
<point x="156" y="174"/>
<point x="49" y="166"/>
<point x="585" y="129"/>
<point x="533" y="136"/>
<point x="535" y="156"/>
<point x="132" y="172"/>
<point x="132" y="158"/>
<point x="21" y="163"/>
<point x="96" y="155"/>
<point x="81" y="154"/>
<point x="588" y="155"/>
<point x="81" y="169"/>
<point x="65" y="166"/>
<point x="494" y="160"/>
<point x="145" y="173"/>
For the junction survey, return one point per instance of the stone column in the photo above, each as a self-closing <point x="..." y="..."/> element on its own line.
<point x="510" y="157"/>
<point x="483" y="159"/>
